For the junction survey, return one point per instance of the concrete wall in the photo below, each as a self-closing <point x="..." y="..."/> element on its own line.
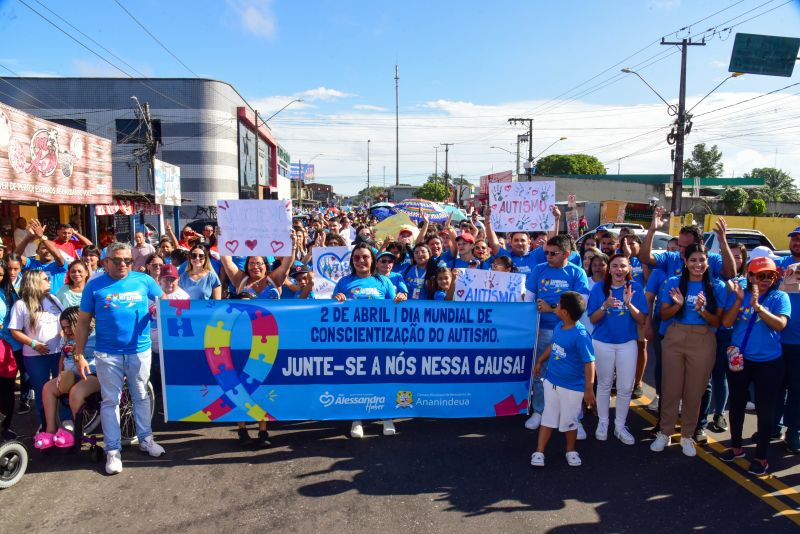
<point x="600" y="190"/>
<point x="775" y="228"/>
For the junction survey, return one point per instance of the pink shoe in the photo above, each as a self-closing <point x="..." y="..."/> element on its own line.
<point x="43" y="440"/>
<point x="64" y="439"/>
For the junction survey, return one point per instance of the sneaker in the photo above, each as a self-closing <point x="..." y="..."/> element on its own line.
<point x="581" y="432"/>
<point x="24" y="407"/>
<point x="573" y="459"/>
<point x="774" y="437"/>
<point x="653" y="406"/>
<point x="750" y="406"/>
<point x="720" y="422"/>
<point x="537" y="460"/>
<point x="388" y="427"/>
<point x="757" y="468"/>
<point x="150" y="446"/>
<point x="730" y="455"/>
<point x="244" y="438"/>
<point x="533" y="421"/>
<point x="262" y="441"/>
<point x="660" y="443"/>
<point x="792" y="440"/>
<point x="637" y="392"/>
<point x="687" y="447"/>
<point x="113" y="462"/>
<point x="68" y="425"/>
<point x="700" y="435"/>
<point x="622" y="433"/>
<point x="357" y="430"/>
<point x="601" y="433"/>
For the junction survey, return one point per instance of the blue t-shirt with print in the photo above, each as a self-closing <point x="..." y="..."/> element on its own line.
<point x="121" y="310"/>
<point x="414" y="278"/>
<point x="688" y="315"/>
<point x="440" y="295"/>
<point x="570" y="351"/>
<point x="375" y="287"/>
<point x="525" y="264"/>
<point x="637" y="271"/>
<point x="57" y="273"/>
<point x="548" y="283"/>
<point x="618" y="325"/>
<point x="399" y="284"/>
<point x="791" y="334"/>
<point x="764" y="343"/>
<point x="672" y="264"/>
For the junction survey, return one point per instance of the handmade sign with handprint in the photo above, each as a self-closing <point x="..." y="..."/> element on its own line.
<point x="522" y="206"/>
<point x="476" y="285"/>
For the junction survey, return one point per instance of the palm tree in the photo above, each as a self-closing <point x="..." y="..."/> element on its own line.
<point x="778" y="185"/>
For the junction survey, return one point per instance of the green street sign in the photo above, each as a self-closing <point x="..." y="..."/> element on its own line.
<point x="769" y="55"/>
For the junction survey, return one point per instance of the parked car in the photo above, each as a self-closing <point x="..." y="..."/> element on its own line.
<point x="748" y="237"/>
<point x="660" y="239"/>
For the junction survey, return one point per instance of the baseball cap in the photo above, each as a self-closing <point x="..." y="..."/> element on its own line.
<point x="794" y="232"/>
<point x="761" y="252"/>
<point x="386" y="253"/>
<point x="300" y="269"/>
<point x="169" y="271"/>
<point x="405" y="231"/>
<point x="466" y="236"/>
<point x="761" y="264"/>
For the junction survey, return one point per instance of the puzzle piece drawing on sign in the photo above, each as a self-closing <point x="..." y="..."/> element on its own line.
<point x="264" y="324"/>
<point x="250" y="382"/>
<point x="239" y="396"/>
<point x="180" y="305"/>
<point x="179" y="327"/>
<point x="227" y="379"/>
<point x="257" y="413"/>
<point x="217" y="336"/>
<point x="219" y="359"/>
<point x="264" y="348"/>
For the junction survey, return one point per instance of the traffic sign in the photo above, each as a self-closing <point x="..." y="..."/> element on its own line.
<point x="769" y="55"/>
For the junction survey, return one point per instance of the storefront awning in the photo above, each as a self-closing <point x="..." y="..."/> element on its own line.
<point x="127" y="207"/>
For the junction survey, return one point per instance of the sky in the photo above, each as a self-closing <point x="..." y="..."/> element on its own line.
<point x="465" y="67"/>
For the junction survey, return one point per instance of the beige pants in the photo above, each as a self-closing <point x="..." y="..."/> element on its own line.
<point x="689" y="355"/>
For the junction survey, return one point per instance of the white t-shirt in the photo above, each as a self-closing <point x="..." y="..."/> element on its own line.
<point x="48" y="329"/>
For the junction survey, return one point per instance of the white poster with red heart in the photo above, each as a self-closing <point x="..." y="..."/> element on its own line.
<point x="478" y="285"/>
<point x="254" y="227"/>
<point x="522" y="206"/>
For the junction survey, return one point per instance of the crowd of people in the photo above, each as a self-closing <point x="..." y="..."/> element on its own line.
<point x="78" y="318"/>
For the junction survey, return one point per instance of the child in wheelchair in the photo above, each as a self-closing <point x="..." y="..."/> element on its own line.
<point x="68" y="382"/>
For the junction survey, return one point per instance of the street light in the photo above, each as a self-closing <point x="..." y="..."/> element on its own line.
<point x="548" y="147"/>
<point x="734" y="75"/>
<point x="503" y="149"/>
<point x="672" y="108"/>
<point x="284" y="107"/>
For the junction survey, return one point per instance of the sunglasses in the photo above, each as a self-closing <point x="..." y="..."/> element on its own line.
<point x="120" y="261"/>
<point x="763" y="276"/>
<point x="156" y="265"/>
<point x="550" y="253"/>
<point x="386" y="260"/>
<point x="257" y="264"/>
<point x="198" y="256"/>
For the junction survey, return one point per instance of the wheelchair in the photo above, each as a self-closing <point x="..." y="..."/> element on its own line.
<point x="13" y="461"/>
<point x="87" y="420"/>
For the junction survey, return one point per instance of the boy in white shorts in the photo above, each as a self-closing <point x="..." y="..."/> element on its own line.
<point x="569" y="378"/>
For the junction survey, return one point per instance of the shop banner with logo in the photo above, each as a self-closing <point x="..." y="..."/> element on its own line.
<point x="522" y="206"/>
<point x="228" y="361"/>
<point x="479" y="285"/>
<point x="330" y="264"/>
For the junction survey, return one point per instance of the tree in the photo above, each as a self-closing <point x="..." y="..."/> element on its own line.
<point x="734" y="199"/>
<point x="757" y="206"/>
<point x="703" y="163"/>
<point x="778" y="185"/>
<point x="433" y="189"/>
<point x="569" y="164"/>
<point x="372" y="194"/>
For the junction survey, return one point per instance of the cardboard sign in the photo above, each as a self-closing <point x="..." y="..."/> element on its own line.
<point x="522" y="206"/>
<point x="477" y="285"/>
<point x="331" y="264"/>
<point x="791" y="279"/>
<point x="254" y="227"/>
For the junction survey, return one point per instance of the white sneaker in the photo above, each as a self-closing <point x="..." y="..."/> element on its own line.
<point x="357" y="430"/>
<point x="537" y="460"/>
<point x="621" y="432"/>
<point x="601" y="433"/>
<point x="574" y="459"/>
<point x="750" y="406"/>
<point x="152" y="448"/>
<point x="653" y="406"/>
<point x="68" y="425"/>
<point x="533" y="421"/>
<point x="581" y="432"/>
<point x="113" y="462"/>
<point x="660" y="443"/>
<point x="687" y="446"/>
<point x="388" y="427"/>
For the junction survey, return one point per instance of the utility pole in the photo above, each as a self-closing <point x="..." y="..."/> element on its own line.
<point x="516" y="121"/>
<point x="446" y="174"/>
<point x="299" y="187"/>
<point x="679" y="133"/>
<point x="397" y="125"/>
<point x="524" y="139"/>
<point x="436" y="165"/>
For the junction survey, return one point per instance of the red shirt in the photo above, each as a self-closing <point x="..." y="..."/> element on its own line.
<point x="69" y="247"/>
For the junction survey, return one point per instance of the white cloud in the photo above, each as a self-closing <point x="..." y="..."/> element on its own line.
<point x="256" y="16"/>
<point x="95" y="69"/>
<point x="323" y="93"/>
<point x="368" y="107"/>
<point x="269" y="105"/>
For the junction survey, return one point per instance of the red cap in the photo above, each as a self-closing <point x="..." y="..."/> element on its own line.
<point x="758" y="265"/>
<point x="168" y="271"/>
<point x="466" y="236"/>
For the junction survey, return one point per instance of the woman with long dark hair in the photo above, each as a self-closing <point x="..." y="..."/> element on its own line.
<point x="419" y="275"/>
<point x="758" y="315"/>
<point x="8" y="364"/>
<point x="9" y="287"/>
<point x="692" y="304"/>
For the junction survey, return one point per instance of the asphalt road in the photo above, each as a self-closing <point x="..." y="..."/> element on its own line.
<point x="433" y="476"/>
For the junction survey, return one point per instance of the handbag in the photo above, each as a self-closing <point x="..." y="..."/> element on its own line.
<point x="736" y="354"/>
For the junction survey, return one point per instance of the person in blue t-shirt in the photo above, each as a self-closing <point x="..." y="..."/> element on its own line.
<point x="692" y="306"/>
<point x="51" y="260"/>
<point x="629" y="247"/>
<point x="385" y="266"/>
<point x="758" y="315"/>
<point x="546" y="284"/>
<point x="569" y="378"/>
<point x="304" y="280"/>
<point x="419" y="275"/>
<point x="364" y="283"/>
<point x="119" y="302"/>
<point x="788" y="407"/>
<point x="617" y="308"/>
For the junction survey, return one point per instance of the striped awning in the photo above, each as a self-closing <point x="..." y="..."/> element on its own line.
<point x="127" y="207"/>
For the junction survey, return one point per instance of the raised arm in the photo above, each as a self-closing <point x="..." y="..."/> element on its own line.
<point x="423" y="232"/>
<point x="557" y="214"/>
<point x="85" y="241"/>
<point x="232" y="271"/>
<point x="491" y="236"/>
<point x="37" y="228"/>
<point x="171" y="235"/>
<point x="728" y="263"/>
<point x="645" y="251"/>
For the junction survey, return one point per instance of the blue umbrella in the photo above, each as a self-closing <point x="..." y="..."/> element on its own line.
<point x="381" y="213"/>
<point x="455" y="212"/>
<point x="416" y="208"/>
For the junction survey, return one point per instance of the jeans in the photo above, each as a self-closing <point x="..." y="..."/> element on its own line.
<point x="543" y="340"/>
<point x="25" y="389"/>
<point x="111" y="369"/>
<point x="40" y="370"/>
<point x="788" y="405"/>
<point x="717" y="389"/>
<point x="608" y="358"/>
<point x="767" y="377"/>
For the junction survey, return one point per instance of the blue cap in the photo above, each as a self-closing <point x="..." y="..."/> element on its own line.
<point x="386" y="253"/>
<point x="794" y="232"/>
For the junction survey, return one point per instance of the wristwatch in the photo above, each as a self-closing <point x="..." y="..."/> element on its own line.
<point x="603" y="307"/>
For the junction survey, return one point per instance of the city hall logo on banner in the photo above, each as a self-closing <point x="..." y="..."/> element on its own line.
<point x="405" y="399"/>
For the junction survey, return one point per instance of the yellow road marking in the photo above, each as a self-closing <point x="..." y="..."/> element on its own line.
<point x="747" y="483"/>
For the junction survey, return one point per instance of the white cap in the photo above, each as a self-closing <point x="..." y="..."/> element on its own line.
<point x="761" y="252"/>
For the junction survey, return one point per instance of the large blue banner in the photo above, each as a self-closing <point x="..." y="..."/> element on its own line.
<point x="227" y="361"/>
